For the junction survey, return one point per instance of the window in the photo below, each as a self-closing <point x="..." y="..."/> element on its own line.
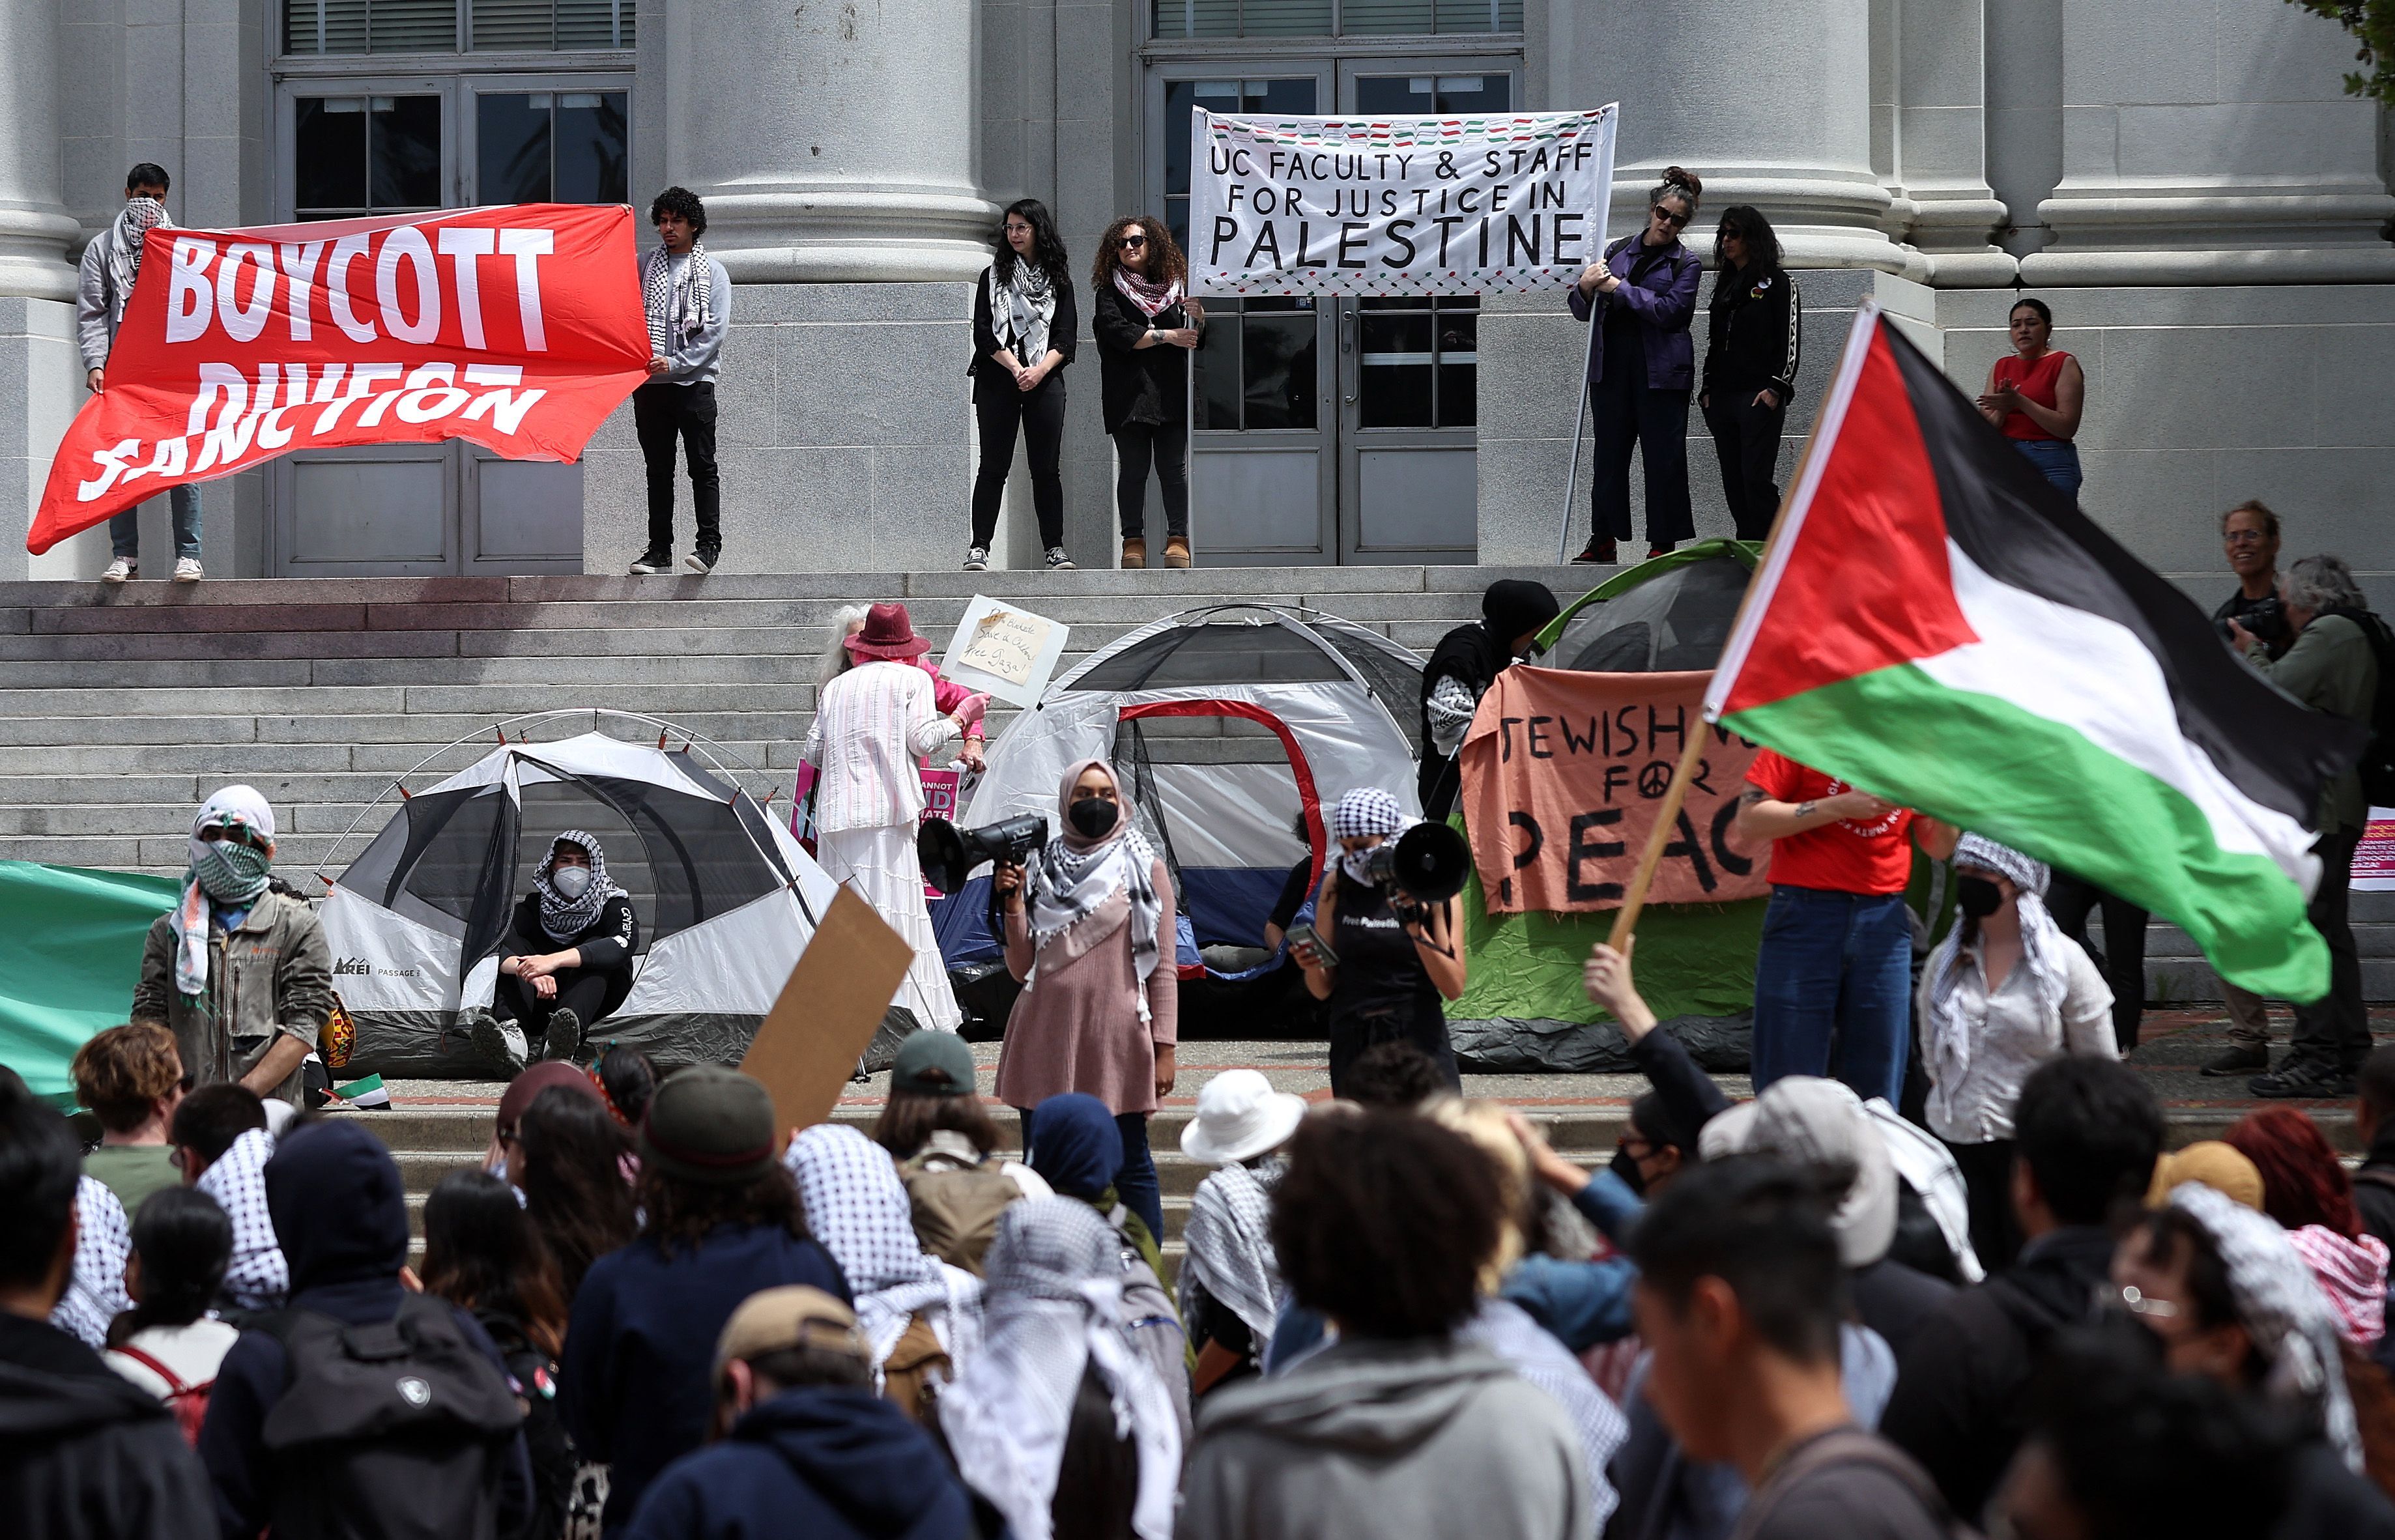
<point x="1328" y="17"/>
<point x="367" y="154"/>
<point x="550" y="24"/>
<point x="1419" y="362"/>
<point x="451" y="26"/>
<point x="541" y="147"/>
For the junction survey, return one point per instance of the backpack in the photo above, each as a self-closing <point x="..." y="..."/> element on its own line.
<point x="955" y="1207"/>
<point x="917" y="1367"/>
<point x="395" y="1429"/>
<point x="2377" y="764"/>
<point x="1154" y="1325"/>
<point x="1849" y="1446"/>
<point x="189" y="1402"/>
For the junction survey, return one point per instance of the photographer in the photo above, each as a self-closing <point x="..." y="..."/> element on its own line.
<point x="2249" y="536"/>
<point x="1396" y="959"/>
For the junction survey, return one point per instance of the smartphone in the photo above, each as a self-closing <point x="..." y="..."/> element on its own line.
<point x="1305" y="935"/>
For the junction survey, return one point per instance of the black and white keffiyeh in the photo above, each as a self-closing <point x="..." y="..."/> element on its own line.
<point x="1023" y="306"/>
<point x="96" y="1288"/>
<point x="1230" y="1249"/>
<point x="1054" y="1307"/>
<point x="1507" y="1330"/>
<point x="123" y="253"/>
<point x="677" y="306"/>
<point x="565" y="918"/>
<point x="257" y="1278"/>
<point x="2042" y="952"/>
<point x="858" y="1208"/>
<point x="1073" y="875"/>
<point x="1366" y="810"/>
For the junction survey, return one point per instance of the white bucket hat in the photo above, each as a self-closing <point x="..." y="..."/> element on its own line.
<point x="1239" y="1117"/>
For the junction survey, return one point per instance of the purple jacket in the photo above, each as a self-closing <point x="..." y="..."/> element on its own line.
<point x="1665" y="301"/>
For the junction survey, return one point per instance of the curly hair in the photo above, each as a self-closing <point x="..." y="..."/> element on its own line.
<point x="1383" y="1220"/>
<point x="1750" y="225"/>
<point x="680" y="1214"/>
<point x="1166" y="264"/>
<point x="2302" y="1181"/>
<point x="121" y="1074"/>
<point x="681" y="200"/>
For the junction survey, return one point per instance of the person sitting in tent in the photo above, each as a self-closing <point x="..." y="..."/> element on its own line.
<point x="1462" y="667"/>
<point x="567" y="961"/>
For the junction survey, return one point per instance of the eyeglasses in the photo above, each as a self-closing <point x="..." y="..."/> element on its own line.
<point x="2246" y="538"/>
<point x="2137" y="1302"/>
<point x="1128" y="242"/>
<point x="1674" y="220"/>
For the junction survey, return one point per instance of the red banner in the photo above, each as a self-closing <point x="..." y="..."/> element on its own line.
<point x="520" y="328"/>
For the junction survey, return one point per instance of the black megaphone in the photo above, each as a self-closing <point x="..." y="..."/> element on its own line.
<point x="948" y="854"/>
<point x="1429" y="863"/>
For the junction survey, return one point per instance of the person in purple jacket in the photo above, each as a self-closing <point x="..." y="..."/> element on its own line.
<point x="1641" y="367"/>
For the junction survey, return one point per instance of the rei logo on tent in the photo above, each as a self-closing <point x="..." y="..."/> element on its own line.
<point x="414" y="1391"/>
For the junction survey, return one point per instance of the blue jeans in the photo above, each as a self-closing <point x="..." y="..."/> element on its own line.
<point x="2057" y="460"/>
<point x="1135" y="1182"/>
<point x="1832" y="989"/>
<point x="125" y="529"/>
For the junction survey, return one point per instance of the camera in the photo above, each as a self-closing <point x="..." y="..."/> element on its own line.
<point x="2267" y="620"/>
<point x="949" y="853"/>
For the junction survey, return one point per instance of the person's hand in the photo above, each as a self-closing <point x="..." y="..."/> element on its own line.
<point x="1766" y="398"/>
<point x="535" y="966"/>
<point x="2004" y="399"/>
<point x="1705" y="401"/>
<point x="1307" y="957"/>
<point x="544" y="987"/>
<point x="408" y="1280"/>
<point x="92" y="379"/>
<point x="1609" y="282"/>
<point x="660" y="364"/>
<point x="1860" y="806"/>
<point x="1164" y="1071"/>
<point x="2245" y="640"/>
<point x="1007" y="881"/>
<point x="1592" y="275"/>
<point x="975" y="760"/>
<point x="1028" y="379"/>
<point x="1181" y="337"/>
<point x="1548" y="1166"/>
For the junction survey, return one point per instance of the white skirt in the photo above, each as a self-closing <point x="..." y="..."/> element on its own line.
<point x="880" y="865"/>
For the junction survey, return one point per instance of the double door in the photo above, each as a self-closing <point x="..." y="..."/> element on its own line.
<point x="1330" y="430"/>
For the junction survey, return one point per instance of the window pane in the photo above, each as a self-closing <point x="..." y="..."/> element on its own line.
<point x="595" y="23"/>
<point x="1280" y="359"/>
<point x="330" y="154"/>
<point x="406" y="145"/>
<point x="325" y="26"/>
<point x="511" y="147"/>
<point x="1285" y="18"/>
<point x="1459" y="358"/>
<point x="1385" y="16"/>
<point x="1218" y="367"/>
<point x="1395" y="389"/>
<point x="528" y="25"/>
<point x="593" y="160"/>
<point x="412" y="26"/>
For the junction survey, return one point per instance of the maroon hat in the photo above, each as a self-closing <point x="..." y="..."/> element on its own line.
<point x="889" y="633"/>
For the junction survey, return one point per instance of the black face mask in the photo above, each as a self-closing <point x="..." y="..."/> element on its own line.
<point x="1093" y="817"/>
<point x="1625" y="1165"/>
<point x="1979" y="897"/>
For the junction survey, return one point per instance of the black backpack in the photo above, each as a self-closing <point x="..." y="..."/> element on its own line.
<point x="2377" y="764"/>
<point x="394" y="1431"/>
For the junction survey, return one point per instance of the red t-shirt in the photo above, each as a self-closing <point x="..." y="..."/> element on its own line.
<point x="1844" y="857"/>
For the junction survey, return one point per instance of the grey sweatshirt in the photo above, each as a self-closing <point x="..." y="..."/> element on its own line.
<point x="1367" y="1439"/>
<point x="99" y="308"/>
<point x="694" y="359"/>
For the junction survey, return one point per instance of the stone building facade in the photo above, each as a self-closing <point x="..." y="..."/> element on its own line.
<point x="2181" y="180"/>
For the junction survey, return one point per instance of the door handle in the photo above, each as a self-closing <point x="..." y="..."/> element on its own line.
<point x="1354" y="367"/>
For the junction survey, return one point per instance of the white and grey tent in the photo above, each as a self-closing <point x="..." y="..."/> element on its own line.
<point x="726" y="899"/>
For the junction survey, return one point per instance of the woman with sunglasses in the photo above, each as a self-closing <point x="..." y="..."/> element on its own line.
<point x="1641" y="367"/>
<point x="1146" y="329"/>
<point x="1755" y="334"/>
<point x="1024" y="327"/>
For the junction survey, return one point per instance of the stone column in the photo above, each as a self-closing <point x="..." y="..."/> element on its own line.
<point x="35" y="228"/>
<point x="1940" y="129"/>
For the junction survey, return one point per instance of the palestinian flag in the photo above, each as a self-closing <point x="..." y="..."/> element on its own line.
<point x="1936" y="623"/>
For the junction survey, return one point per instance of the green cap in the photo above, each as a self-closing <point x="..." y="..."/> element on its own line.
<point x="710" y="1126"/>
<point x="933" y="1063"/>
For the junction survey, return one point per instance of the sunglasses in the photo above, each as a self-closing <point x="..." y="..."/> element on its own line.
<point x="1128" y="242"/>
<point x="1675" y="220"/>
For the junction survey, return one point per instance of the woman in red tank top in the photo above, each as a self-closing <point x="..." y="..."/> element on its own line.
<point x="2036" y="394"/>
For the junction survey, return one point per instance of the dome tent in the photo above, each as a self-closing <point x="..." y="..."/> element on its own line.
<point x="1233" y="727"/>
<point x="726" y="899"/>
<point x="1523" y="1008"/>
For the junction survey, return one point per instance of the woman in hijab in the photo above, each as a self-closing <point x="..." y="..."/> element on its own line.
<point x="1396" y="960"/>
<point x="921" y="1316"/>
<point x="2003" y="992"/>
<point x="1059" y="1422"/>
<point x="1090" y="930"/>
<point x="1078" y="1155"/>
<point x="567" y="963"/>
<point x="1462" y="667"/>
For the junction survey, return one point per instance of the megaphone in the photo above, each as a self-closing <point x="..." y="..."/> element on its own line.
<point x="1429" y="863"/>
<point x="949" y="853"/>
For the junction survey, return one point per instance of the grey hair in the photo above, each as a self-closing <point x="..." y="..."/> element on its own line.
<point x="836" y="660"/>
<point x="2322" y="583"/>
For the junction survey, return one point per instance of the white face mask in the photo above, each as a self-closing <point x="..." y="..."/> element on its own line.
<point x="571" y="882"/>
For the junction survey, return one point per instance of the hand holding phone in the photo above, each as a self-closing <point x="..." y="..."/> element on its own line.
<point x="1316" y="951"/>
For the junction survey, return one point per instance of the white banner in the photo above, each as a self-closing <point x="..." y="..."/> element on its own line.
<point x="1352" y="205"/>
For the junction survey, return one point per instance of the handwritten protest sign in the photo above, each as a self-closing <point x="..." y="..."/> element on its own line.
<point x="1005" y="649"/>
<point x="1564" y="773"/>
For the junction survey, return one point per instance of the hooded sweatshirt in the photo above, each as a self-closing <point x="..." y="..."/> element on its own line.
<point x="340" y="1211"/>
<point x="1370" y="1439"/>
<point x="827" y="1462"/>
<point x="83" y="1451"/>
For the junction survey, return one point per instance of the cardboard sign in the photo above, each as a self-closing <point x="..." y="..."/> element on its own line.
<point x="827" y="1014"/>
<point x="1005" y="649"/>
<point x="1564" y="773"/>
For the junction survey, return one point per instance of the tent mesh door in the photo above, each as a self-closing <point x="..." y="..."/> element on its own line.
<point x="1132" y="762"/>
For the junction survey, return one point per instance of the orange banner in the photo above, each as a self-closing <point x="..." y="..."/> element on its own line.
<point x="1564" y="773"/>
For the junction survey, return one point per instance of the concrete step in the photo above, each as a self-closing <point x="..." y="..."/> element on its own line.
<point x="2174" y="980"/>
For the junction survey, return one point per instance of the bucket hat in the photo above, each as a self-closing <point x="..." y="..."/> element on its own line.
<point x="1239" y="1117"/>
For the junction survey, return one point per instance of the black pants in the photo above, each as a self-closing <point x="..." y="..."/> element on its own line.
<point x="582" y="989"/>
<point x="1000" y="407"/>
<point x="1746" y="437"/>
<point x="2123" y="957"/>
<point x="1167" y="445"/>
<point x="660" y="415"/>
<point x="1988" y="1176"/>
<point x="1425" y="1027"/>
<point x="2335" y="1029"/>
<point x="1655" y="423"/>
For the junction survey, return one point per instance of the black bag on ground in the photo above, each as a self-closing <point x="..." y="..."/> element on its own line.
<point x="394" y="1431"/>
<point x="2377" y="764"/>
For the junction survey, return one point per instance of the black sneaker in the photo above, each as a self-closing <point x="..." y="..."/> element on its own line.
<point x="977" y="559"/>
<point x="653" y="562"/>
<point x="1058" y="561"/>
<point x="2304" y="1080"/>
<point x="1595" y="553"/>
<point x="701" y="561"/>
<point x="564" y="1035"/>
<point x="2238" y="1059"/>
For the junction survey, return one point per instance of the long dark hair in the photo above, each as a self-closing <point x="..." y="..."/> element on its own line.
<point x="574" y="1179"/>
<point x="1746" y="222"/>
<point x="629" y="1077"/>
<point x="483" y="1252"/>
<point x="909" y="1119"/>
<point x="185" y="1242"/>
<point x="1047" y="247"/>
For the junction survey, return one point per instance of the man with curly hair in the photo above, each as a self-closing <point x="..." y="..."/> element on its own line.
<point x="688" y="296"/>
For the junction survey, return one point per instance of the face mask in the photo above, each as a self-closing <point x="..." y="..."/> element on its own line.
<point x="1979" y="897"/>
<point x="1625" y="1165"/>
<point x="571" y="882"/>
<point x="1093" y="817"/>
<point x="1357" y="864"/>
<point x="230" y="871"/>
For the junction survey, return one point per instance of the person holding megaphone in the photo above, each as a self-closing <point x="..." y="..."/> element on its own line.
<point x="1395" y="936"/>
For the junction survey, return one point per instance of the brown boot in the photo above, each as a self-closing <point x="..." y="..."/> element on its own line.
<point x="1176" y="550"/>
<point x="1134" y="552"/>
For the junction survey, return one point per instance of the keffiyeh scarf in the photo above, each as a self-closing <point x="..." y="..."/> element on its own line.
<point x="858" y="1208"/>
<point x="1952" y="1034"/>
<point x="1365" y="811"/>
<point x="2353" y="1278"/>
<point x="565" y="918"/>
<point x="96" y="1288"/>
<point x="1054" y="1307"/>
<point x="1029" y="296"/>
<point x="679" y="307"/>
<point x="225" y="870"/>
<point x="1230" y="1249"/>
<point x="1150" y="298"/>
<point x="257" y="1278"/>
<point x="1072" y="877"/>
<point x="123" y="252"/>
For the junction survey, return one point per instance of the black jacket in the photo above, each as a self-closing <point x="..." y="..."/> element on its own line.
<point x="1754" y="332"/>
<point x="1139" y="385"/>
<point x="2373" y="1185"/>
<point x="84" y="1455"/>
<point x="534" y="1373"/>
<point x="1064" y="335"/>
<point x="1960" y="1381"/>
<point x="606" y="946"/>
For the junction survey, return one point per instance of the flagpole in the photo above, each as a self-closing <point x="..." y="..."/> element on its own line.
<point x="1580" y="422"/>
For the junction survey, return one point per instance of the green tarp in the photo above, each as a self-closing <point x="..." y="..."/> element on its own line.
<point x="71" y="956"/>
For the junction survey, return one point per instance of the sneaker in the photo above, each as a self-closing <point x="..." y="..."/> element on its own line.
<point x="119" y="571"/>
<point x="564" y="1035"/>
<point x="500" y="1043"/>
<point x="2238" y="1059"/>
<point x="1058" y="561"/>
<point x="187" y="568"/>
<point x="701" y="561"/>
<point x="2300" y="1079"/>
<point x="1654" y="551"/>
<point x="653" y="562"/>
<point x="1595" y="553"/>
<point x="977" y="559"/>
